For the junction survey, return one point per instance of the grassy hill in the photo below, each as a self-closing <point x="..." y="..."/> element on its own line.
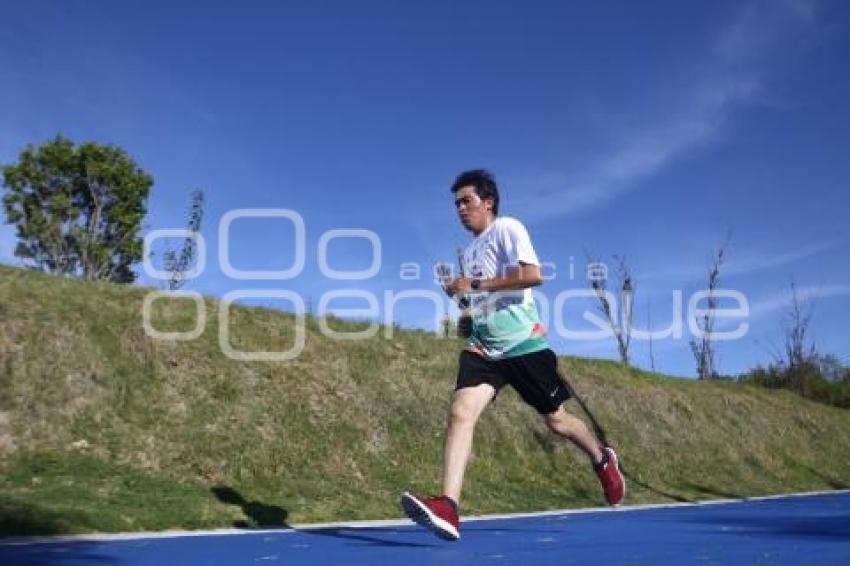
<point x="102" y="428"/>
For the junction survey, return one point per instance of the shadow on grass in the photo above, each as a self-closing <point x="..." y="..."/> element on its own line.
<point x="828" y="480"/>
<point x="260" y="515"/>
<point x="24" y="519"/>
<point x="19" y="520"/>
<point x="656" y="490"/>
<point x="710" y="491"/>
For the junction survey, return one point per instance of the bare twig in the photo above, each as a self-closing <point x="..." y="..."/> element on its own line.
<point x="703" y="348"/>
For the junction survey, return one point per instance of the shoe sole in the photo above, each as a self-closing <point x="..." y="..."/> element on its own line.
<point x="613" y="455"/>
<point x="421" y="515"/>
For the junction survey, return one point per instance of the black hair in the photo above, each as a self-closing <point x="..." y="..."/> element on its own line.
<point x="484" y="183"/>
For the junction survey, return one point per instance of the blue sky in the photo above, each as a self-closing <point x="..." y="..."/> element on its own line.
<point x="645" y="129"/>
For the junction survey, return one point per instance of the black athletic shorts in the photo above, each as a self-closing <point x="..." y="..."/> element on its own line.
<point x="534" y="376"/>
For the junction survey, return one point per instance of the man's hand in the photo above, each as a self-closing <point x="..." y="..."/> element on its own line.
<point x="459" y="287"/>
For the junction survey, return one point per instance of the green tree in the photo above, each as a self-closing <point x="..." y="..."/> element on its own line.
<point x="78" y="209"/>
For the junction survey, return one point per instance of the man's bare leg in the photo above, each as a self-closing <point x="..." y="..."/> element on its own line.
<point x="573" y="429"/>
<point x="467" y="405"/>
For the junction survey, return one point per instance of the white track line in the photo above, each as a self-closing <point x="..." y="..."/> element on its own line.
<point x="107" y="537"/>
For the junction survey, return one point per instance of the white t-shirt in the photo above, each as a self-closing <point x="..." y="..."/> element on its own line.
<point x="505" y="323"/>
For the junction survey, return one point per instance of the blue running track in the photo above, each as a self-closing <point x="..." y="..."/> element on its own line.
<point x="805" y="530"/>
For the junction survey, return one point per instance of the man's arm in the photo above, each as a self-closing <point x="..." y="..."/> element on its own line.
<point x="523" y="276"/>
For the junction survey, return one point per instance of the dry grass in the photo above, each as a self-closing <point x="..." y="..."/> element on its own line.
<point x="99" y="424"/>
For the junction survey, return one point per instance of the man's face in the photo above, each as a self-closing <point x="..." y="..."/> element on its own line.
<point x="473" y="212"/>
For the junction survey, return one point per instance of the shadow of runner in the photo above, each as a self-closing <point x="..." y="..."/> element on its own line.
<point x="711" y="491"/>
<point x="346" y="533"/>
<point x="773" y="524"/>
<point x="603" y="438"/>
<point x="830" y="481"/>
<point x="261" y="515"/>
<point x="649" y="487"/>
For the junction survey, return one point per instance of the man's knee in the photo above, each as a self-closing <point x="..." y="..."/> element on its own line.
<point x="463" y="414"/>
<point x="562" y="422"/>
<point x="467" y="406"/>
<point x="554" y="420"/>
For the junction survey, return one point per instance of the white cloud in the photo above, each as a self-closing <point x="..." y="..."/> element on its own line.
<point x="732" y="77"/>
<point x="759" y="25"/>
<point x="808" y="294"/>
<point x="757" y="261"/>
<point x="747" y="261"/>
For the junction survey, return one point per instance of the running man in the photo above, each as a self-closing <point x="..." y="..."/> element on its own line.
<point x="505" y="346"/>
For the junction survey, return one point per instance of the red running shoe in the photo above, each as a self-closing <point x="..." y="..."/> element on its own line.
<point x="613" y="482"/>
<point x="437" y="514"/>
